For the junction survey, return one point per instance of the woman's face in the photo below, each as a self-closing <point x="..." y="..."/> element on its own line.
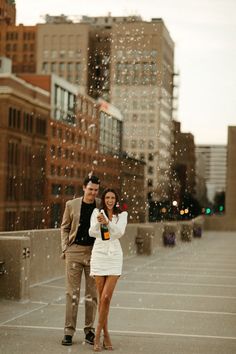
<point x="110" y="200"/>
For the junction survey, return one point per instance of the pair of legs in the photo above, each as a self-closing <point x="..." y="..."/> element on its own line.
<point x="105" y="287"/>
<point x="78" y="261"/>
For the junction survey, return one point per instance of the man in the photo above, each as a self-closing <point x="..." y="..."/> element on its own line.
<point x="76" y="249"/>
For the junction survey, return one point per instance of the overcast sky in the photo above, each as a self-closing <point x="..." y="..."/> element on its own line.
<point x="204" y="33"/>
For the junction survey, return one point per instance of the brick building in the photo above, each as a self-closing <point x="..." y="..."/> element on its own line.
<point x="184" y="160"/>
<point x="7" y="12"/>
<point x="83" y="136"/>
<point x="18" y="43"/>
<point x="24" y="111"/>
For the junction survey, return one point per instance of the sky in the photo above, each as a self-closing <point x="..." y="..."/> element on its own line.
<point x="204" y="33"/>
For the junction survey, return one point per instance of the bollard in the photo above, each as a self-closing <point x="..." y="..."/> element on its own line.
<point x="186" y="232"/>
<point x="144" y="240"/>
<point x="197" y="230"/>
<point x="169" y="235"/>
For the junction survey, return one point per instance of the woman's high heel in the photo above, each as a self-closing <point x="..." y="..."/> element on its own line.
<point x="107" y="347"/>
<point x="97" y="347"/>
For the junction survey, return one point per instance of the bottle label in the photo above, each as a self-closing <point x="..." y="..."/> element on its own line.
<point x="105" y="234"/>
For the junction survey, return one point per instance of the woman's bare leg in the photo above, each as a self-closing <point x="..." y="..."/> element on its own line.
<point x="100" y="282"/>
<point x="104" y="306"/>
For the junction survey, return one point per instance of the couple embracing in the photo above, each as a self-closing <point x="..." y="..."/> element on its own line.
<point x="90" y="233"/>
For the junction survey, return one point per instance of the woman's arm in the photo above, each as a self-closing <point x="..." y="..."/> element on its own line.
<point x="117" y="229"/>
<point x="94" y="230"/>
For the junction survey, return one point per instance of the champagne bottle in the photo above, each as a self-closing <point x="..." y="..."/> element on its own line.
<point x="105" y="234"/>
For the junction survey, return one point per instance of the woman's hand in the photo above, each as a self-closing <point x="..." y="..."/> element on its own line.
<point x="101" y="219"/>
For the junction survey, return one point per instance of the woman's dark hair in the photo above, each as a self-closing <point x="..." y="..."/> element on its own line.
<point x="116" y="209"/>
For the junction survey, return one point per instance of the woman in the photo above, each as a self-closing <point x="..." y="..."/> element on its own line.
<point x="107" y="258"/>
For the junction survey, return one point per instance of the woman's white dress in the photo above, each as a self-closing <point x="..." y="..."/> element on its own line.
<point x="107" y="256"/>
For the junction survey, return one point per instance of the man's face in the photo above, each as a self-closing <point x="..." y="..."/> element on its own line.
<point x="90" y="192"/>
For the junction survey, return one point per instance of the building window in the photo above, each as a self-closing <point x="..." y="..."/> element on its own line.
<point x="142" y="156"/>
<point x="150" y="170"/>
<point x="59" y="170"/>
<point x="62" y="67"/>
<point x="45" y="67"/>
<point x="59" y="152"/>
<point x="59" y="133"/>
<point x="55" y="215"/>
<point x="40" y="126"/>
<point x="56" y="189"/>
<point x="150" y="183"/>
<point x="151" y="144"/>
<point x="13" y="171"/>
<point x="141" y="144"/>
<point x="53" y="131"/>
<point x="53" y="170"/>
<point x="10" y="220"/>
<point x="53" y="67"/>
<point x="150" y="157"/>
<point x="69" y="190"/>
<point x="28" y="123"/>
<point x="53" y="150"/>
<point x="54" y="54"/>
<point x="14" y="118"/>
<point x="69" y="67"/>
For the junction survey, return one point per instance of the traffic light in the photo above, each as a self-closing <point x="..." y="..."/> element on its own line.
<point x="221" y="208"/>
<point x="208" y="211"/>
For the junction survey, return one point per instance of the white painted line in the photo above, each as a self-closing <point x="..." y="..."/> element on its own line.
<point x="173" y="310"/>
<point x="172" y="334"/>
<point x="156" y="268"/>
<point x="187" y="275"/>
<point x="39" y="302"/>
<point x="23" y="314"/>
<point x="177" y="283"/>
<point x="174" y="294"/>
<point x="53" y="286"/>
<point x="34" y="327"/>
<point x="161" y="310"/>
<point x="46" y="281"/>
<point x="135" y="333"/>
<point x="223" y="263"/>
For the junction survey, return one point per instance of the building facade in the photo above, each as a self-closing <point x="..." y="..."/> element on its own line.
<point x="62" y="49"/>
<point x="7" y="12"/>
<point x="133" y="188"/>
<point x="70" y="147"/>
<point x="184" y="162"/>
<point x="132" y="67"/>
<point x="231" y="175"/>
<point x="215" y="166"/>
<point x="24" y="111"/>
<point x="84" y="136"/>
<point x="18" y="43"/>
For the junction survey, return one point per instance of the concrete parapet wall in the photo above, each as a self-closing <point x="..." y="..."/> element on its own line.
<point x="45" y="250"/>
<point x="43" y="261"/>
<point x="15" y="252"/>
<point x="128" y="242"/>
<point x="220" y="223"/>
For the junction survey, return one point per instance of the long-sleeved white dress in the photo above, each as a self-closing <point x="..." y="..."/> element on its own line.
<point x="107" y="256"/>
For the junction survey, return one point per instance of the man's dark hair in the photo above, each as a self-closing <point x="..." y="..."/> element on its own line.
<point x="92" y="179"/>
